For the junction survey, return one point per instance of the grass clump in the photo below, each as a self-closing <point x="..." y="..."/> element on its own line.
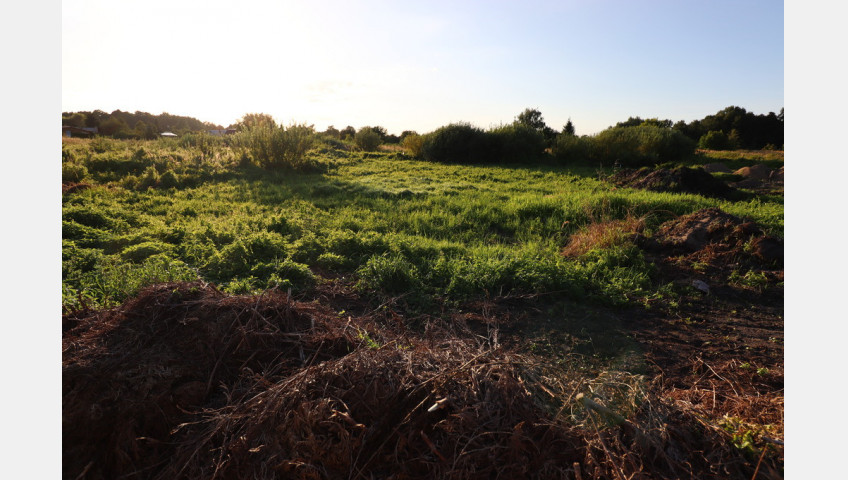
<point x="603" y="235"/>
<point x="113" y="281"/>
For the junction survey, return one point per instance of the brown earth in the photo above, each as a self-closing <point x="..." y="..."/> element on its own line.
<point x="757" y="172"/>
<point x="184" y="381"/>
<point x="679" y="180"/>
<point x="760" y="179"/>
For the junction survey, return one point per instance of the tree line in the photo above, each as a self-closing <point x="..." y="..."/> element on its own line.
<point x="729" y="129"/>
<point x="142" y="125"/>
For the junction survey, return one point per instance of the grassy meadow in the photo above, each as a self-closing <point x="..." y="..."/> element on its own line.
<point x="141" y="212"/>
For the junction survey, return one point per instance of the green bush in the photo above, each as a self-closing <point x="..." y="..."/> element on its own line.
<point x="457" y="143"/>
<point x="714" y="140"/>
<point x="367" y="139"/>
<point x="642" y="145"/>
<point x="464" y="143"/>
<point x="413" y="144"/>
<point x="276" y="147"/>
<point x="571" y="148"/>
<point x="516" y="143"/>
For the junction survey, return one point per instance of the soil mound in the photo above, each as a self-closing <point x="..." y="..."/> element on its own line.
<point x="186" y="382"/>
<point x="679" y="180"/>
<point x="713" y="244"/>
<point x="777" y="175"/>
<point x="756" y="172"/>
<point x="713" y="228"/>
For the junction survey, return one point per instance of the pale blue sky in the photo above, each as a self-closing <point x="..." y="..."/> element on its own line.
<point x="420" y="65"/>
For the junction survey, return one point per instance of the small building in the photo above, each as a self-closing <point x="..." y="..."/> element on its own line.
<point x="80" y="132"/>
<point x="221" y="133"/>
<point x="168" y="134"/>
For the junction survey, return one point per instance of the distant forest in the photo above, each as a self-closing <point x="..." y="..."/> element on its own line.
<point x="145" y="125"/>
<point x="728" y="129"/>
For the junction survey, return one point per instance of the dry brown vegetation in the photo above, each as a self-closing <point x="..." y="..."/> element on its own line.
<point x="603" y="234"/>
<point x="186" y="382"/>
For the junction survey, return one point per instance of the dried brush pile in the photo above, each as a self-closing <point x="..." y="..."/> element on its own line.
<point x="186" y="382"/>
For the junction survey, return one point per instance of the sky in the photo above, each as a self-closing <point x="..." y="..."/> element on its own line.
<point x="420" y="65"/>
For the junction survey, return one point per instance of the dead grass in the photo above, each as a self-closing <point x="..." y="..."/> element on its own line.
<point x="603" y="234"/>
<point x="185" y="382"/>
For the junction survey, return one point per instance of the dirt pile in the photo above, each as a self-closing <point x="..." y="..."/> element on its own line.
<point x="755" y="172"/>
<point x="186" y="382"/>
<point x="760" y="178"/>
<point x="712" y="244"/>
<point x="678" y="180"/>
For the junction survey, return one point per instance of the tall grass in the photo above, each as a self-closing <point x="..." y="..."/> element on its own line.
<point x="392" y="223"/>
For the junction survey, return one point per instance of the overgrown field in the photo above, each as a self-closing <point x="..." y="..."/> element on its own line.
<point x="367" y="314"/>
<point x="140" y="212"/>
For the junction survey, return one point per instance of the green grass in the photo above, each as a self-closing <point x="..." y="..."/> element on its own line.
<point x="392" y="223"/>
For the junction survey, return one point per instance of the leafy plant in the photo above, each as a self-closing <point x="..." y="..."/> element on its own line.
<point x="414" y="144"/>
<point x="714" y="140"/>
<point x="640" y="146"/>
<point x="274" y="147"/>
<point x="367" y="139"/>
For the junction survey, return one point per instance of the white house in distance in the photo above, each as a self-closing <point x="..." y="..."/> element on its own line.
<point x="167" y="134"/>
<point x="87" y="132"/>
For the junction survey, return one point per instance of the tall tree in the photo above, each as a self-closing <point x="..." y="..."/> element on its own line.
<point x="347" y="132"/>
<point x="532" y="118"/>
<point x="251" y="120"/>
<point x="568" y="129"/>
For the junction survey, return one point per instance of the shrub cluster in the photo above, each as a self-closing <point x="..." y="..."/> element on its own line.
<point x="715" y="140"/>
<point x="367" y="139"/>
<point x="273" y="146"/>
<point x="642" y="145"/>
<point x="414" y="144"/>
<point x="465" y="143"/>
<point x="571" y="148"/>
<point x="629" y="146"/>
